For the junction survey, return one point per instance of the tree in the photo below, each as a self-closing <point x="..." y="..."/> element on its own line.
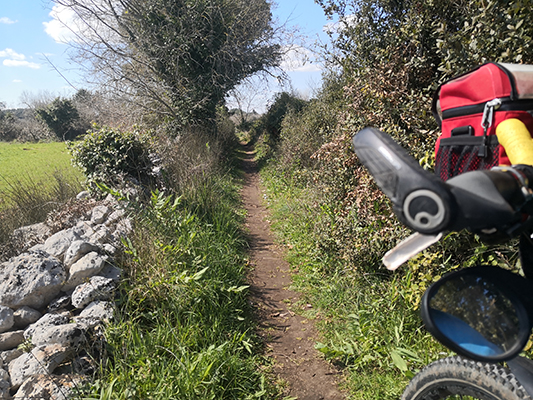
<point x="283" y="104"/>
<point x="394" y="53"/>
<point x="178" y="59"/>
<point x="8" y="129"/>
<point x="60" y="116"/>
<point x="245" y="98"/>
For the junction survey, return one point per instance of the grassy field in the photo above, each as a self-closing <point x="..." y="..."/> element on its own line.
<point x="20" y="162"/>
<point x="35" y="179"/>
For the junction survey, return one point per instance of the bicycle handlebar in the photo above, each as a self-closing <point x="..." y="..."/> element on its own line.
<point x="477" y="200"/>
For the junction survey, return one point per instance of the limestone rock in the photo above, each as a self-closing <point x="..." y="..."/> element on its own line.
<point x="7" y="320"/>
<point x="25" y="316"/>
<point x="101" y="234"/>
<point x="67" y="335"/>
<point x="109" y="249"/>
<point x="89" y="265"/>
<point x="99" y="214"/>
<point x="10" y="340"/>
<point x="98" y="288"/>
<point x="59" y="304"/>
<point x="41" y="360"/>
<point x="30" y="279"/>
<point x="83" y="195"/>
<point x="123" y="228"/>
<point x="85" y="230"/>
<point x="5" y="384"/>
<point x="45" y="322"/>
<point x="31" y="233"/>
<point x="77" y="250"/>
<point x="96" y="312"/>
<point x="9" y="355"/>
<point x="111" y="272"/>
<point x="49" y="387"/>
<point x="115" y="216"/>
<point x="59" y="242"/>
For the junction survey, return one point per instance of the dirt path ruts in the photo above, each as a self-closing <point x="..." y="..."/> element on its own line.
<point x="289" y="338"/>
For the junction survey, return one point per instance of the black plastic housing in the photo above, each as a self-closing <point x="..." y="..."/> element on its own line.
<point x="516" y="289"/>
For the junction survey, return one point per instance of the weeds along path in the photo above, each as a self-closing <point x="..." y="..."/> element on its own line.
<point x="289" y="338"/>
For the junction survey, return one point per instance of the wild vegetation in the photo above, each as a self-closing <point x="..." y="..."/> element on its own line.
<point x="35" y="179"/>
<point x="161" y="128"/>
<point x="386" y="61"/>
<point x="163" y="139"/>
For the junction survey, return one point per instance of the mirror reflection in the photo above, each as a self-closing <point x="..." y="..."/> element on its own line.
<point x="475" y="315"/>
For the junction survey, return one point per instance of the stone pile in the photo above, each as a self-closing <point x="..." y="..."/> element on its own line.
<point x="54" y="298"/>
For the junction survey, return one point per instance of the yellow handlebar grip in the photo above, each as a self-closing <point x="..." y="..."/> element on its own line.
<point x="515" y="138"/>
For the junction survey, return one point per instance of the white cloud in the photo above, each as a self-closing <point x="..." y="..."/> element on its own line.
<point x="14" y="59"/>
<point x="6" y="20"/>
<point x="345" y="22"/>
<point x="58" y="27"/>
<point x="17" y="81"/>
<point x="66" y="26"/>
<point x="10" y="53"/>
<point x="299" y="59"/>
<point x="18" y="63"/>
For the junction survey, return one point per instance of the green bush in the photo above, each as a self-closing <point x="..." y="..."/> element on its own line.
<point x="328" y="209"/>
<point x="304" y="131"/>
<point x="112" y="157"/>
<point x="283" y="103"/>
<point x="270" y="123"/>
<point x="61" y="117"/>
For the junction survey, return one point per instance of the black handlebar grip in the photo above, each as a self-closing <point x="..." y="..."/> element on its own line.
<point x="420" y="199"/>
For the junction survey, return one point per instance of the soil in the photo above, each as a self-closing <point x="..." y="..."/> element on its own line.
<point x="289" y="338"/>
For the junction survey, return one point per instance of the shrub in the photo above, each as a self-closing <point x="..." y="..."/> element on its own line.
<point x="283" y="103"/>
<point x="61" y="117"/>
<point x="305" y="133"/>
<point x="191" y="156"/>
<point x="109" y="156"/>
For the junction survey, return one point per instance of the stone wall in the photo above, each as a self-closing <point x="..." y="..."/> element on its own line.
<point x="54" y="298"/>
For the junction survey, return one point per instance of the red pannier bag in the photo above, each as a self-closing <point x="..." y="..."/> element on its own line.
<point x="468" y="109"/>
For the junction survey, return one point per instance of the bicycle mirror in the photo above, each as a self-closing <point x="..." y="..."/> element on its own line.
<point x="477" y="313"/>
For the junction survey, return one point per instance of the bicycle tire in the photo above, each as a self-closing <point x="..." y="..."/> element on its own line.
<point x="457" y="377"/>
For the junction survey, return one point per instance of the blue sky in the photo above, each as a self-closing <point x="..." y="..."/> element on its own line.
<point x="29" y="37"/>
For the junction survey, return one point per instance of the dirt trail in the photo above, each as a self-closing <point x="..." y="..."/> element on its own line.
<point x="289" y="338"/>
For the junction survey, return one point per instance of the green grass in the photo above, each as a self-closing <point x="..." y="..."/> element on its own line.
<point x="38" y="161"/>
<point x="35" y="179"/>
<point x="185" y="327"/>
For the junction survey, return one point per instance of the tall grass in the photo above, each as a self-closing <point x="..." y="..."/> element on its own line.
<point x="26" y="202"/>
<point x="184" y="329"/>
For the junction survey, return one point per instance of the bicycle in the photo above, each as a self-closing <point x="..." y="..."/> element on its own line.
<point x="484" y="314"/>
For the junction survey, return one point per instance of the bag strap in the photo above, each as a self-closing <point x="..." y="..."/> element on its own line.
<point x="434" y="106"/>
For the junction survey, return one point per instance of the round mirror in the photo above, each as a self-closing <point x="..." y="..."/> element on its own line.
<point x="476" y="316"/>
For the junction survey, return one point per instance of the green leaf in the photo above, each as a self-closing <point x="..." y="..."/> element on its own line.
<point x="398" y="361"/>
<point x="197" y="276"/>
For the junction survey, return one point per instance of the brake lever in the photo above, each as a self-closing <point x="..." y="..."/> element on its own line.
<point x="408" y="248"/>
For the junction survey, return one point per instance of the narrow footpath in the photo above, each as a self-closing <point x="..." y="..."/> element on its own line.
<point x="289" y="338"/>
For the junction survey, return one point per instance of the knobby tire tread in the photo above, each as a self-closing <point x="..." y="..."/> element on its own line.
<point x="463" y="377"/>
